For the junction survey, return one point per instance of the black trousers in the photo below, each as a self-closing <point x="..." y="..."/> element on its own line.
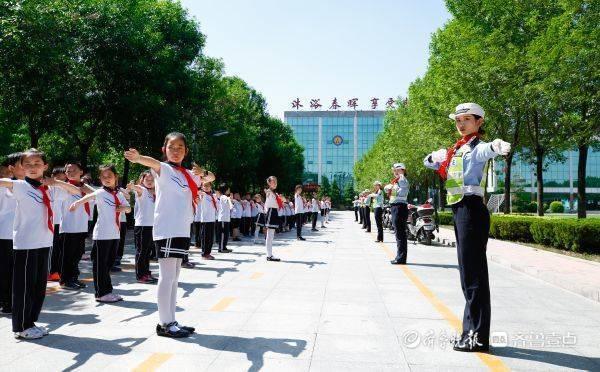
<point x="121" y="248"/>
<point x="368" y="219"/>
<point x="55" y="254"/>
<point x="30" y="277"/>
<point x="197" y="235"/>
<point x="315" y="215"/>
<point x="379" y="222"/>
<point x="253" y="225"/>
<point x="471" y="229"/>
<point x="299" y="225"/>
<point x="361" y="212"/>
<point x="6" y="272"/>
<point x="144" y="245"/>
<point x="103" y="257"/>
<point x="399" y="216"/>
<point x="356" y="214"/>
<point x="207" y="237"/>
<point x="73" y="247"/>
<point x="222" y="234"/>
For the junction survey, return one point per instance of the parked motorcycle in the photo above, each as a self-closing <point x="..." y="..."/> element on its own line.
<point x="421" y="224"/>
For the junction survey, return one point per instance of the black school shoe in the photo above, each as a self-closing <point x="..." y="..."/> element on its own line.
<point x="80" y="284"/>
<point x="164" y="331"/>
<point x="300" y="238"/>
<point x="70" y="286"/>
<point x="226" y="250"/>
<point x="6" y="309"/>
<point x="272" y="258"/>
<point x="397" y="262"/>
<point x="185" y="328"/>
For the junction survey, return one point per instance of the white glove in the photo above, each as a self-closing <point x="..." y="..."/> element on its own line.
<point x="500" y="147"/>
<point x="439" y="155"/>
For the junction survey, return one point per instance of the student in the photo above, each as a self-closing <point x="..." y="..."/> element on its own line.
<point x="299" y="211"/>
<point x="209" y="207"/>
<point x="236" y="217"/>
<point x="315" y="211"/>
<point x="270" y="220"/>
<point x="259" y="217"/>
<point x="398" y="194"/>
<point x="254" y="216"/>
<point x="122" y="233"/>
<point x="327" y="208"/>
<point x="196" y="224"/>
<point x="54" y="260"/>
<point x="377" y="197"/>
<point x="110" y="203"/>
<point x="367" y="210"/>
<point x="355" y="205"/>
<point x="361" y="211"/>
<point x="291" y="215"/>
<point x="322" y="209"/>
<point x="464" y="166"/>
<point x="143" y="212"/>
<point x="223" y="218"/>
<point x="74" y="229"/>
<point x="13" y="169"/>
<point x="246" y="215"/>
<point x="176" y="198"/>
<point x="33" y="232"/>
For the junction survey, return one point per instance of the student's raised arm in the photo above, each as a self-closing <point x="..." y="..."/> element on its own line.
<point x="85" y="199"/>
<point x="71" y="189"/>
<point x="6" y="182"/>
<point x="135" y="157"/>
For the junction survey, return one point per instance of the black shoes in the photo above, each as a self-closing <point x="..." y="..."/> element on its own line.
<point x="397" y="262"/>
<point x="165" y="331"/>
<point x="300" y="238"/>
<point x="378" y="241"/>
<point x="185" y="328"/>
<point x="272" y="258"/>
<point x="70" y="286"/>
<point x="226" y="250"/>
<point x="314" y="230"/>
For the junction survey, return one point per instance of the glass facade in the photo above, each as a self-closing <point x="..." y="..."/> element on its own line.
<point x="560" y="177"/>
<point x="334" y="140"/>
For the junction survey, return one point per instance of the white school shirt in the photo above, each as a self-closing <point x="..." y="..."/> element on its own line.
<point x="173" y="211"/>
<point x="247" y="209"/>
<point x="298" y="204"/>
<point x="76" y="221"/>
<point x="30" y="229"/>
<point x="224" y="213"/>
<point x="254" y="209"/>
<point x="236" y="212"/>
<point x="92" y="205"/>
<point x="8" y="205"/>
<point x="209" y="210"/>
<point x="106" y="227"/>
<point x="271" y="201"/>
<point x="143" y="211"/>
<point x="198" y="212"/>
<point x="315" y="205"/>
<point x="260" y="209"/>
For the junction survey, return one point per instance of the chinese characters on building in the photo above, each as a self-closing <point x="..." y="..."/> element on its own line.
<point x="352" y="103"/>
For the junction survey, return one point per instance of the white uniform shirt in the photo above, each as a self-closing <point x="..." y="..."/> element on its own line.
<point x="30" y="229"/>
<point x="174" y="211"/>
<point x="76" y="221"/>
<point x="198" y="212"/>
<point x="315" y="205"/>
<point x="254" y="208"/>
<point x="144" y="208"/>
<point x="271" y="201"/>
<point x="106" y="227"/>
<point x="236" y="212"/>
<point x="209" y="207"/>
<point x="298" y="204"/>
<point x="8" y="205"/>
<point x="224" y="212"/>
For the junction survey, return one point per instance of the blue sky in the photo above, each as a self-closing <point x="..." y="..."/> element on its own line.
<point x="321" y="49"/>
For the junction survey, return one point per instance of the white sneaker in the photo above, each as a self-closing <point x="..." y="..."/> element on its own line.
<point x="42" y="329"/>
<point x="30" y="334"/>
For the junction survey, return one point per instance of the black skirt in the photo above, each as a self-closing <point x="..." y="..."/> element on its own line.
<point x="270" y="219"/>
<point x="172" y="247"/>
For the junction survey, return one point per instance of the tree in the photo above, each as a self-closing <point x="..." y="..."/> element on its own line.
<point x="349" y="193"/>
<point x="325" y="187"/>
<point x="336" y="194"/>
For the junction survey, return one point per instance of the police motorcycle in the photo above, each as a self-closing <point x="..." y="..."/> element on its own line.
<point x="421" y="224"/>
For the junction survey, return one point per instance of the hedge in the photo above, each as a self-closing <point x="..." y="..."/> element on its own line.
<point x="577" y="235"/>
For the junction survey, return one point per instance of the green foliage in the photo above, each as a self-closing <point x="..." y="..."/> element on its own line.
<point x="336" y="194"/>
<point x="556" y="207"/>
<point x="445" y="218"/>
<point x="349" y="194"/>
<point x="325" y="187"/>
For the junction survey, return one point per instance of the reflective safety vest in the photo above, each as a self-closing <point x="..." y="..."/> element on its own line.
<point x="455" y="184"/>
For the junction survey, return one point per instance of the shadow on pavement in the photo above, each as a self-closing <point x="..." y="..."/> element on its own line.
<point x="554" y="358"/>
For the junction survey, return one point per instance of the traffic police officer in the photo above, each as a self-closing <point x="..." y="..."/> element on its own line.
<point x="398" y="194"/>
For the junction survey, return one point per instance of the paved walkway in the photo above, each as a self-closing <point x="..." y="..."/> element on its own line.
<point x="334" y="304"/>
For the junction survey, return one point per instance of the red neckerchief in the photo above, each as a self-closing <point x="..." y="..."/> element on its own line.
<point x="86" y="206"/>
<point x="443" y="169"/>
<point x="46" y="199"/>
<point x="279" y="201"/>
<point x="212" y="198"/>
<point x="117" y="205"/>
<point x="190" y="182"/>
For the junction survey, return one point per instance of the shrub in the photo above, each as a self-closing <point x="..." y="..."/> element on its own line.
<point x="511" y="228"/>
<point x="445" y="218"/>
<point x="557" y="207"/>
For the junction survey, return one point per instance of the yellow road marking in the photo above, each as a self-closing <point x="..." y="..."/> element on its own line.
<point x="153" y="362"/>
<point x="223" y="304"/>
<point x="492" y="362"/>
<point x="256" y="275"/>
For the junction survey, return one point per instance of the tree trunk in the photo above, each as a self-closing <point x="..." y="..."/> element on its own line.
<point x="507" y="178"/>
<point x="581" y="167"/>
<point x="539" y="168"/>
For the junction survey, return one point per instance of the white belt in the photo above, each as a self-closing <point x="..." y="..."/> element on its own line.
<point x="466" y="190"/>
